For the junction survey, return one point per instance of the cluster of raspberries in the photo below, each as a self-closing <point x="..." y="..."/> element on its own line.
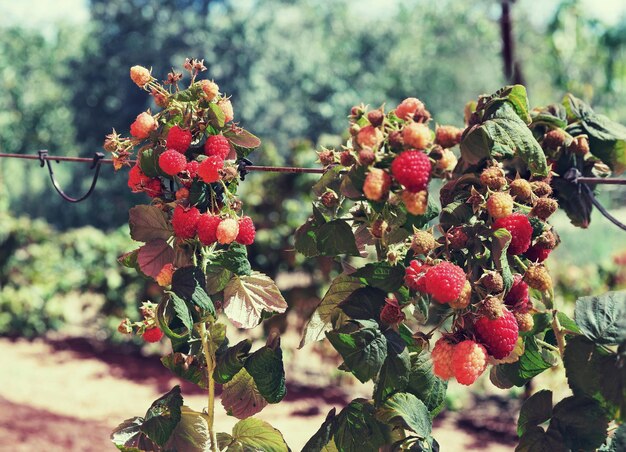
<point x="210" y="229"/>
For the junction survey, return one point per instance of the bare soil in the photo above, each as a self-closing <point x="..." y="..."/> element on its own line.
<point x="68" y="395"/>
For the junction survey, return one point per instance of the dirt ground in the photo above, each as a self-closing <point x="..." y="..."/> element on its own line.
<point x="68" y="396"/>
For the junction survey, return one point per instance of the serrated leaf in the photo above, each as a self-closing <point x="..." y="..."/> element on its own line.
<point x="381" y="275"/>
<point x="240" y="396"/>
<point x="148" y="223"/>
<point x="189" y="284"/>
<point x="217" y="278"/>
<point x="329" y="180"/>
<point x="529" y="365"/>
<point x="257" y="435"/>
<point x="603" y="318"/>
<point x="183" y="311"/>
<point x="336" y="237"/>
<point x="321" y="320"/>
<point x="232" y="361"/>
<point x="200" y="194"/>
<point x="306" y="239"/>
<point x="153" y="256"/>
<point x="499" y="247"/>
<point x="537" y="440"/>
<point x="186" y="367"/>
<point x="247" y="297"/>
<point x="234" y="259"/>
<point x="358" y="430"/>
<point x="394" y="374"/>
<point x="242" y="138"/>
<point x="217" y="116"/>
<point x="406" y="411"/>
<point x="163" y="416"/>
<point x="364" y="303"/>
<point x="581" y="422"/>
<point x="423" y="383"/>
<point x="618" y="440"/>
<point x="324" y="435"/>
<point x="128" y="437"/>
<point x="266" y="368"/>
<point x="191" y="434"/>
<point x="536" y="410"/>
<point x="362" y="347"/>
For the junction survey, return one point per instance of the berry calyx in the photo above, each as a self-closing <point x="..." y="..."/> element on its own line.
<point x="178" y="139"/>
<point x="217" y="145"/>
<point x="521" y="232"/>
<point x="412" y="169"/>
<point x="469" y="361"/>
<point x="172" y="162"/>
<point x="445" y="281"/>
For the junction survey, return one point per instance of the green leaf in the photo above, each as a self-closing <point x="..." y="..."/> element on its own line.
<point x="257" y="435"/>
<point x="306" y="239"/>
<point x="567" y="323"/>
<point x="456" y="213"/>
<point x="200" y="194"/>
<point x="394" y="374"/>
<point x="381" y="275"/>
<point x="324" y="435"/>
<point x="321" y="320"/>
<point x="364" y="303"/>
<point x="241" y="397"/>
<point x="235" y="259"/>
<point x="128" y="437"/>
<point x="242" y="138"/>
<point x="186" y="367"/>
<point x="129" y="260"/>
<point x="536" y="410"/>
<point x="499" y="247"/>
<point x="537" y="440"/>
<point x="217" y="115"/>
<point x="330" y="179"/>
<point x="518" y="98"/>
<point x="232" y="361"/>
<point x="183" y="311"/>
<point x="148" y="223"/>
<point x="581" y="421"/>
<point x="597" y="373"/>
<point x="358" y="430"/>
<point x="266" y="368"/>
<point x="189" y="284"/>
<point x="163" y="416"/>
<point x="423" y="383"/>
<point x="152" y="256"/>
<point x="191" y="434"/>
<point x="149" y="163"/>
<point x="603" y="318"/>
<point x="247" y="297"/>
<point x="336" y="237"/>
<point x="217" y="278"/>
<point x="406" y="411"/>
<point x="362" y="347"/>
<point x="529" y="365"/>
<point x="618" y="440"/>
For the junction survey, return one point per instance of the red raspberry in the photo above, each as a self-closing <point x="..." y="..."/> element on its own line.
<point x="153" y="334"/>
<point x="391" y="314"/>
<point x="445" y="281"/>
<point x="172" y="162"/>
<point x="246" y="231"/>
<point x="192" y="168"/>
<point x="412" y="169"/>
<point x="537" y="253"/>
<point x="152" y="187"/>
<point x="499" y="335"/>
<point x="143" y="125"/>
<point x="209" y="169"/>
<point x="207" y="229"/>
<point x="227" y="231"/>
<point x="517" y="298"/>
<point x="408" y="107"/>
<point x="377" y="183"/>
<point x="217" y="145"/>
<point x="185" y="222"/>
<point x="414" y="276"/>
<point x="442" y="359"/>
<point x="136" y="179"/>
<point x="521" y="231"/>
<point x="469" y="361"/>
<point x="178" y="139"/>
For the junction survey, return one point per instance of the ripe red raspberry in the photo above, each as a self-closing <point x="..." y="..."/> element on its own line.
<point x="192" y="168"/>
<point x="143" y="125"/>
<point x="185" y="222"/>
<point x="537" y="253"/>
<point x="464" y="298"/>
<point x="153" y="334"/>
<point x="217" y="145"/>
<point x="182" y="193"/>
<point x="445" y="281"/>
<point x="517" y="298"/>
<point x="442" y="359"/>
<point x="152" y="187"/>
<point x="172" y="162"/>
<point x="412" y="169"/>
<point x="414" y="276"/>
<point x="448" y="136"/>
<point x="417" y="135"/>
<point x="136" y="179"/>
<point x="499" y="335"/>
<point x="500" y="205"/>
<point x="246" y="231"/>
<point x="377" y="183"/>
<point x="469" y="361"/>
<point x="408" y="107"/>
<point x="227" y="231"/>
<point x="209" y="169"/>
<point x="521" y="231"/>
<point x="178" y="139"/>
<point x="391" y="314"/>
<point x="207" y="229"/>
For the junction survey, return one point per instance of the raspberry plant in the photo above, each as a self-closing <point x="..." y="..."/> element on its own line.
<point x="463" y="276"/>
<point x="194" y="235"/>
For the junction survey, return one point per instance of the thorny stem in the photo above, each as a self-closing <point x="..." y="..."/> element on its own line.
<point x="520" y="263"/>
<point x="441" y="322"/>
<point x="558" y="333"/>
<point x="549" y="346"/>
<point x="209" y="356"/>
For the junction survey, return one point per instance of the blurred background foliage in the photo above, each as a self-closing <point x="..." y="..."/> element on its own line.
<point x="294" y="68"/>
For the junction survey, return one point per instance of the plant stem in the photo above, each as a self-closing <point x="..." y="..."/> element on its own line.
<point x="209" y="356"/>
